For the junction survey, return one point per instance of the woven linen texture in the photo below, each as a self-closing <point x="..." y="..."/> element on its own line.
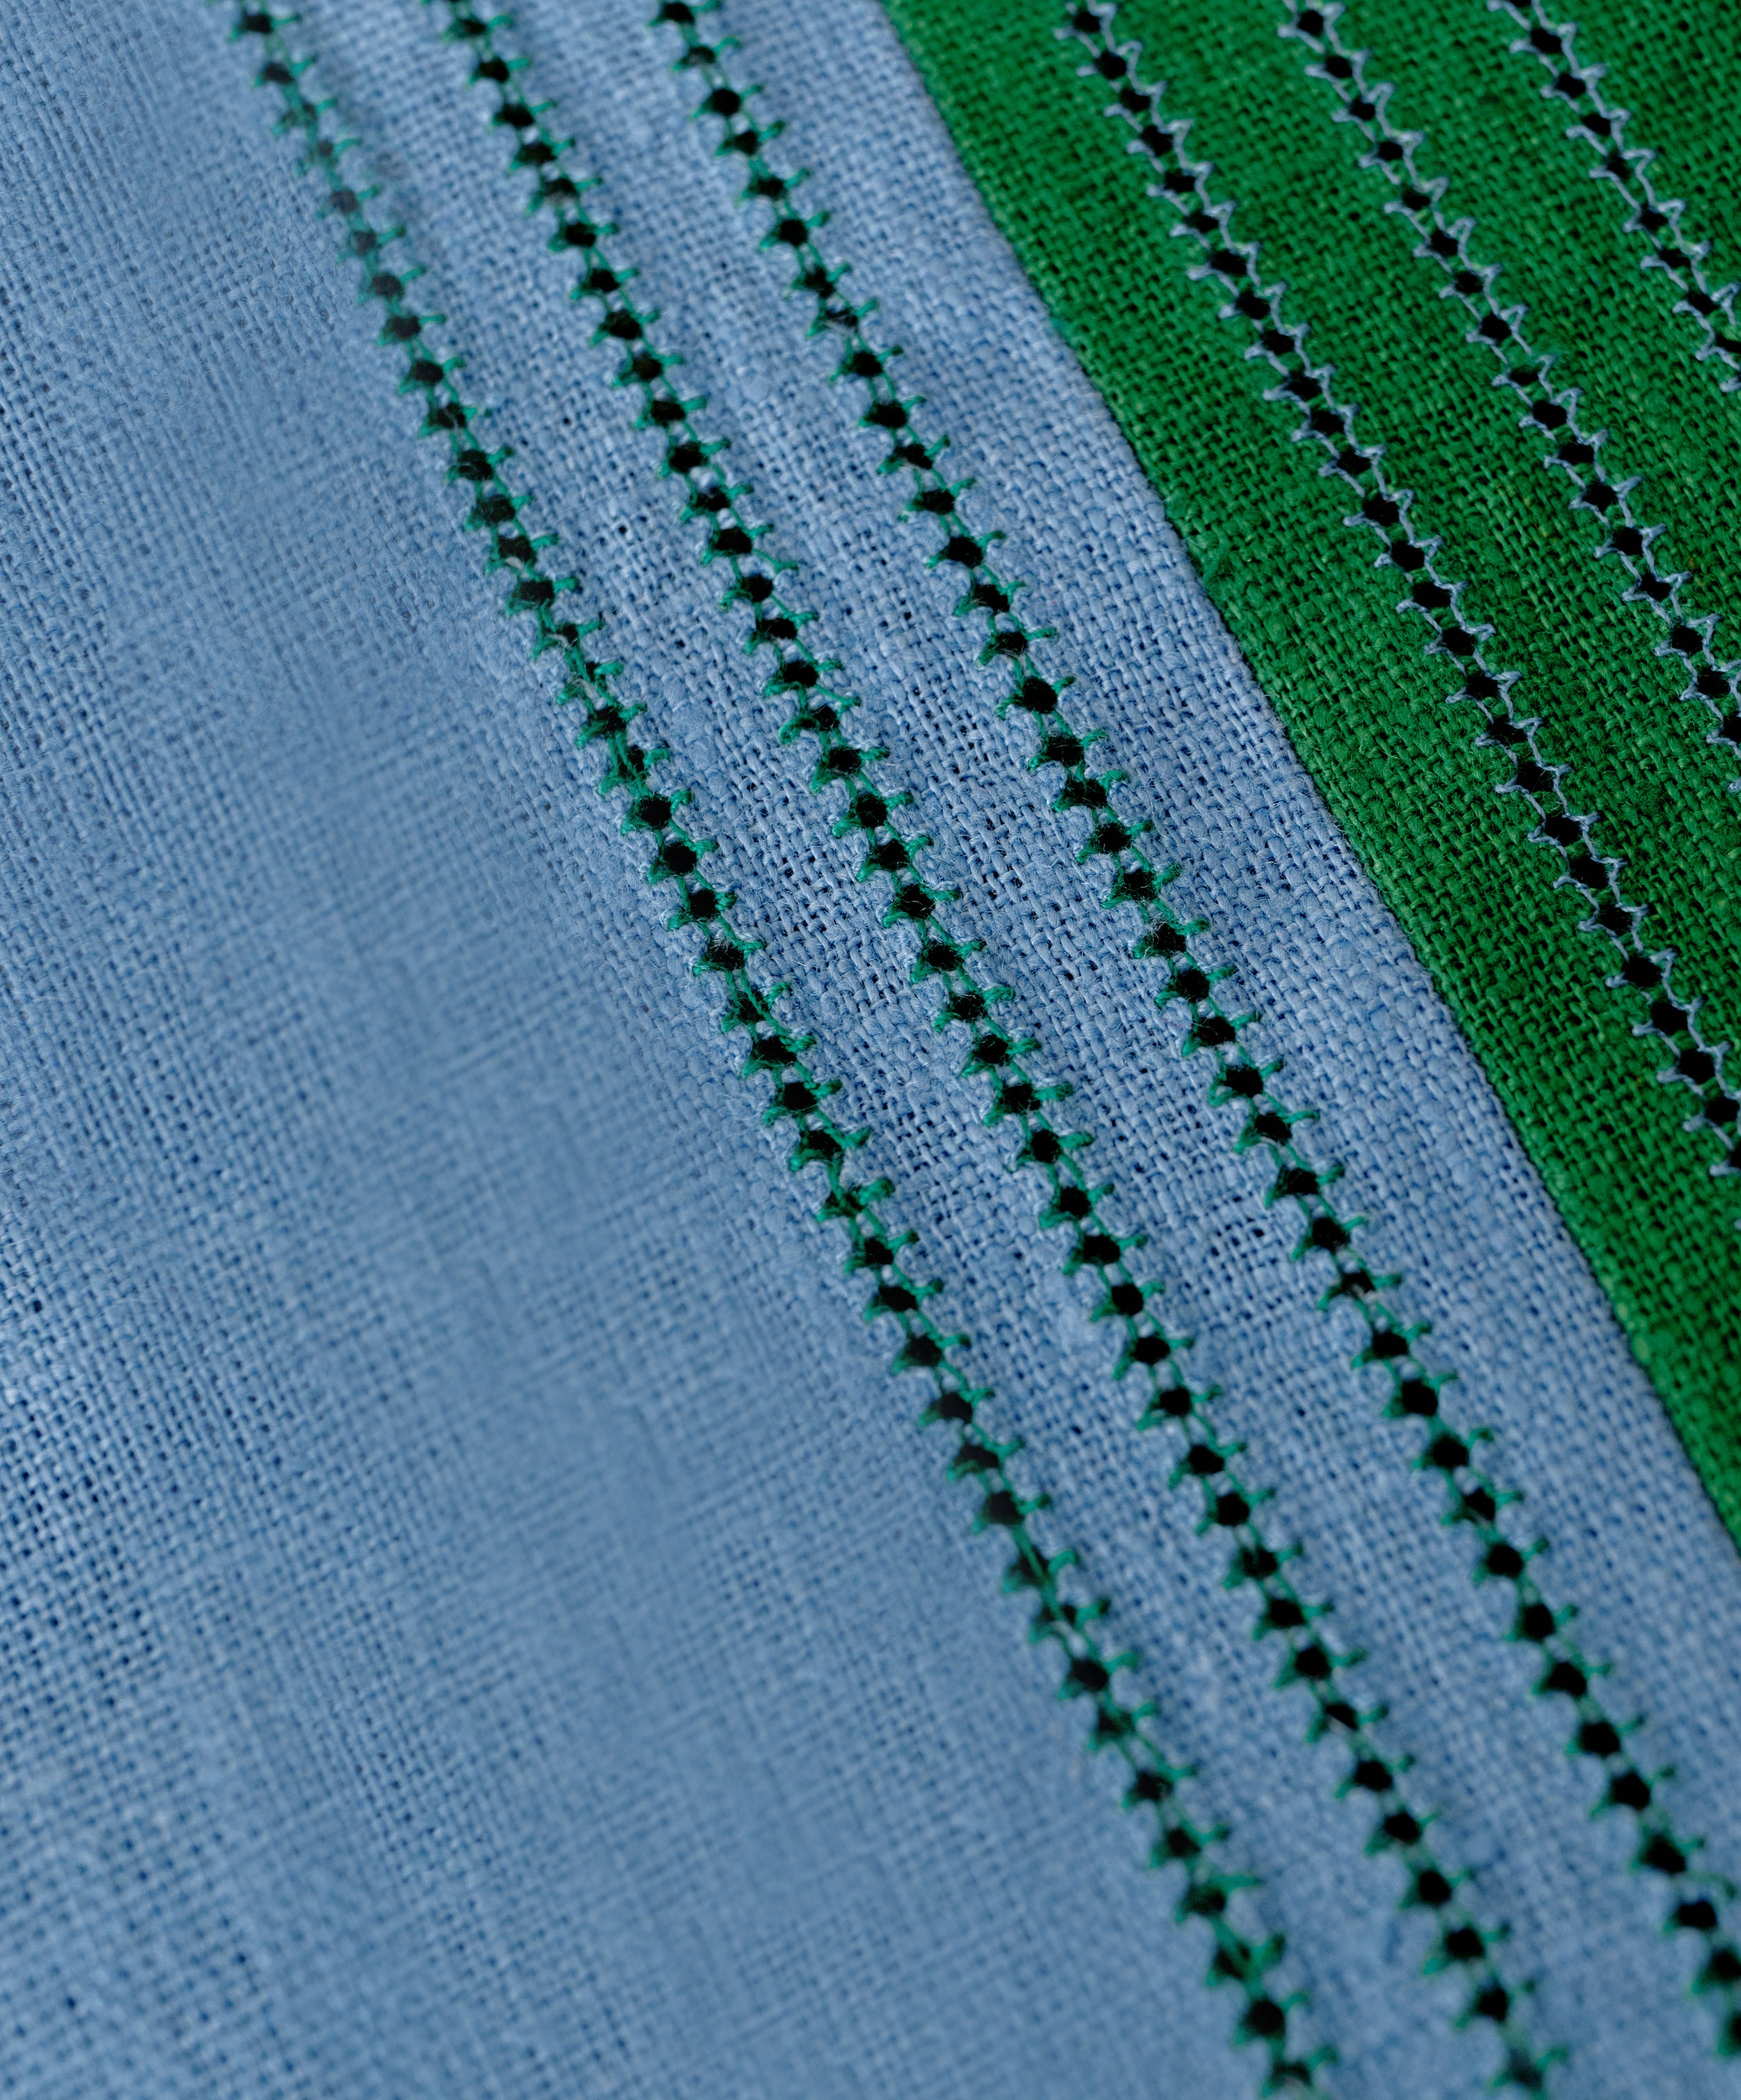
<point x="564" y="1607"/>
<point x="1319" y="622"/>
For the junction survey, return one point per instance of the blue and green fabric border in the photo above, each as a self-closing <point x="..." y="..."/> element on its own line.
<point x="1370" y="563"/>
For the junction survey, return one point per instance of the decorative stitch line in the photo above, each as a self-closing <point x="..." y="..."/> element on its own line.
<point x="1644" y="976"/>
<point x="1415" y="1391"/>
<point x="795" y="1094"/>
<point x="1224" y="263"/>
<point x="1595" y="1734"/>
<point x="1603" y="126"/>
<point x="1550" y="412"/>
<point x="1229" y="1505"/>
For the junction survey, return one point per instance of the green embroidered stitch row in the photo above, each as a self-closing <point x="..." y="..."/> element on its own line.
<point x="743" y="138"/>
<point x="1230" y="265"/>
<point x="1230" y="262"/>
<point x="1601" y="125"/>
<point x="1550" y="412"/>
<point x="795" y="1094"/>
<point x="1228" y="1503"/>
<point x="1361" y="702"/>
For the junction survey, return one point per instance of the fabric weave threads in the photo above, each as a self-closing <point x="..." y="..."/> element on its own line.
<point x="1599" y="127"/>
<point x="1366" y="719"/>
<point x="744" y="133"/>
<point x="554" y="1677"/>
<point x="777" y="623"/>
<point x="737" y="543"/>
<point x="797" y="1096"/>
<point x="518" y="122"/>
<point x="1597" y="486"/>
<point x="415" y="1686"/>
<point x="1591" y="870"/>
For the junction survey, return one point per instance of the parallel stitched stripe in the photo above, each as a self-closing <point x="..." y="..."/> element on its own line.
<point x="1229" y="1504"/>
<point x="795" y="1093"/>
<point x="745" y="132"/>
<point x="1365" y="709"/>
<point x="1598" y="126"/>
<point x="1184" y="184"/>
<point x="1114" y="66"/>
<point x="1597" y="483"/>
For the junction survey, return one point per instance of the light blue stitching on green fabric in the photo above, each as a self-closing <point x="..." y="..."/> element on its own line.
<point x="742" y="143"/>
<point x="1601" y="124"/>
<point x="1550" y="414"/>
<point x="1230" y="266"/>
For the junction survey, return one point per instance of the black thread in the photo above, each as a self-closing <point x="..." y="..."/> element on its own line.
<point x="1600" y="125"/>
<point x="795" y="1094"/>
<point x="1550" y="413"/>
<point x="744" y="142"/>
<point x="1305" y="389"/>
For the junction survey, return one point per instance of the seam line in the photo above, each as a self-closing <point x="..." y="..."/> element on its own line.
<point x="742" y="141"/>
<point x="796" y="1096"/>
<point x="1602" y="125"/>
<point x="1643" y="978"/>
<point x="1550" y="412"/>
<point x="1222" y="261"/>
<point x="997" y="1055"/>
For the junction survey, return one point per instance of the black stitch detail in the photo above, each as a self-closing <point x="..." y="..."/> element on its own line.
<point x="1669" y="253"/>
<point x="815" y="1143"/>
<point x="1475" y="1502"/>
<point x="1609" y="914"/>
<point x="921" y="1351"/>
<point x="1606" y="498"/>
<point x="1089" y="1671"/>
<point x="1472" y="1499"/>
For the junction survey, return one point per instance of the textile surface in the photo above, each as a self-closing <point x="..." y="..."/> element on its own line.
<point x="480" y="1618"/>
<point x="1632" y="767"/>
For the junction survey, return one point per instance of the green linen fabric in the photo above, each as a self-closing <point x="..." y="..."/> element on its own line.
<point x="1364" y="705"/>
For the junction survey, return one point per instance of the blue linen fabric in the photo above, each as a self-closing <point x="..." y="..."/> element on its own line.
<point x="479" y="1618"/>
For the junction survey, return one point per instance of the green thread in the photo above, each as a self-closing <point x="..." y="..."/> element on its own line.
<point x="1230" y="262"/>
<point x="795" y="1094"/>
<point x="1598" y="126"/>
<point x="1229" y="265"/>
<point x="913" y="457"/>
<point x="1362" y="703"/>
<point x="820" y="701"/>
<point x="1597" y="489"/>
<point x="635" y="784"/>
